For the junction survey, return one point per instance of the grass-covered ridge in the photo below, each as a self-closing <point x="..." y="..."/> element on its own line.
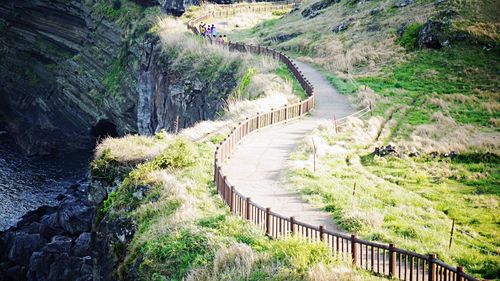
<point x="426" y="101"/>
<point x="185" y="232"/>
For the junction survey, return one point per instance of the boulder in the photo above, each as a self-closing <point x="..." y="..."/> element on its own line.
<point x="384" y="151"/>
<point x="141" y="191"/>
<point x="21" y="245"/>
<point x="373" y="27"/>
<point x="401" y="29"/>
<point x="75" y="216"/>
<point x="403" y="3"/>
<point x="177" y="7"/>
<point x="83" y="245"/>
<point x="60" y="267"/>
<point x="431" y="35"/>
<point x="282" y="37"/>
<point x="59" y="244"/>
<point x="313" y="10"/>
<point x="341" y="27"/>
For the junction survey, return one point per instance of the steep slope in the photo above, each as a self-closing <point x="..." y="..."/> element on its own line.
<point x="73" y="71"/>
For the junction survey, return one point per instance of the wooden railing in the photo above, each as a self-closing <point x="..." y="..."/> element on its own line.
<point x="381" y="259"/>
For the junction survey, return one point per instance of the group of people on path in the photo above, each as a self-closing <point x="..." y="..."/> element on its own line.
<point x="210" y="32"/>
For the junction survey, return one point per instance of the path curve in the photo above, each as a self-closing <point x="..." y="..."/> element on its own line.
<point x="257" y="166"/>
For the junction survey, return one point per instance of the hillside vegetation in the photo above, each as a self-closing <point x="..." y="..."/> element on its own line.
<point x="430" y="69"/>
<point x="163" y="186"/>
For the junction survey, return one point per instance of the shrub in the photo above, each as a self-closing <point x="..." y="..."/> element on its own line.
<point x="279" y="13"/>
<point x="106" y="168"/>
<point x="409" y="38"/>
<point x="179" y="154"/>
<point x="177" y="252"/>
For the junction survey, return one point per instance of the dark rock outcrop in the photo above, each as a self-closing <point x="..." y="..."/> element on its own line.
<point x="341" y="27"/>
<point x="168" y="90"/>
<point x="403" y="3"/>
<point x="372" y="27"/>
<point x="177" y="7"/>
<point x="48" y="243"/>
<point x="385" y="151"/>
<point x="432" y="35"/>
<point x="314" y="9"/>
<point x="54" y="56"/>
<point x="70" y="76"/>
<point x="281" y="38"/>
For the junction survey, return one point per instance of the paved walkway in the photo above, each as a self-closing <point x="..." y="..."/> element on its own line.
<point x="257" y="167"/>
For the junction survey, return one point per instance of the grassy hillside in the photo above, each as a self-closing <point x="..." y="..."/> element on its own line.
<point x="427" y="102"/>
<point x="164" y="186"/>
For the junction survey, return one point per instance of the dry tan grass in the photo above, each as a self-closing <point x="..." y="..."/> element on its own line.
<point x="491" y="106"/>
<point x="459" y="98"/>
<point x="495" y="122"/>
<point x="446" y="135"/>
<point x="133" y="148"/>
<point x="233" y="262"/>
<point x="321" y="272"/>
<point x="337" y="57"/>
<point x="438" y="102"/>
<point x="487" y="30"/>
<point x="440" y="118"/>
<point x="240" y="21"/>
<point x="366" y="97"/>
<point x="237" y="258"/>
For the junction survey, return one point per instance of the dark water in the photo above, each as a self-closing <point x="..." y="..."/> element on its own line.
<point x="27" y="183"/>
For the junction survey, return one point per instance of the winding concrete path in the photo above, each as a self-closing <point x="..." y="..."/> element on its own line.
<point x="257" y="167"/>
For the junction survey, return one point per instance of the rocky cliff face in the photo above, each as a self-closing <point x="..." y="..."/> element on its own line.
<point x="70" y="73"/>
<point x="53" y="59"/>
<point x="169" y="91"/>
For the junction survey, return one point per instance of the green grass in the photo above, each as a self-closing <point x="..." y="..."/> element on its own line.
<point x="410" y="37"/>
<point x="411" y="202"/>
<point x="462" y="69"/>
<point x="342" y="85"/>
<point x="135" y="21"/>
<point x="182" y="225"/>
<point x="283" y="72"/>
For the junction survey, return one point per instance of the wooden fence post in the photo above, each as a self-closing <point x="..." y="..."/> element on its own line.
<point x="432" y="268"/>
<point x="272" y="117"/>
<point x="314" y="155"/>
<point x="177" y="124"/>
<point x="258" y="120"/>
<point x="224" y="189"/>
<point x="292" y="228"/>
<point x="248" y="201"/>
<point x="354" y="249"/>
<point x="335" y="123"/>
<point x="268" y="221"/>
<point x="460" y="270"/>
<point x="451" y="233"/>
<point x="231" y="195"/>
<point x="321" y="232"/>
<point x="215" y="168"/>
<point x="392" y="260"/>
<point x="286" y="112"/>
